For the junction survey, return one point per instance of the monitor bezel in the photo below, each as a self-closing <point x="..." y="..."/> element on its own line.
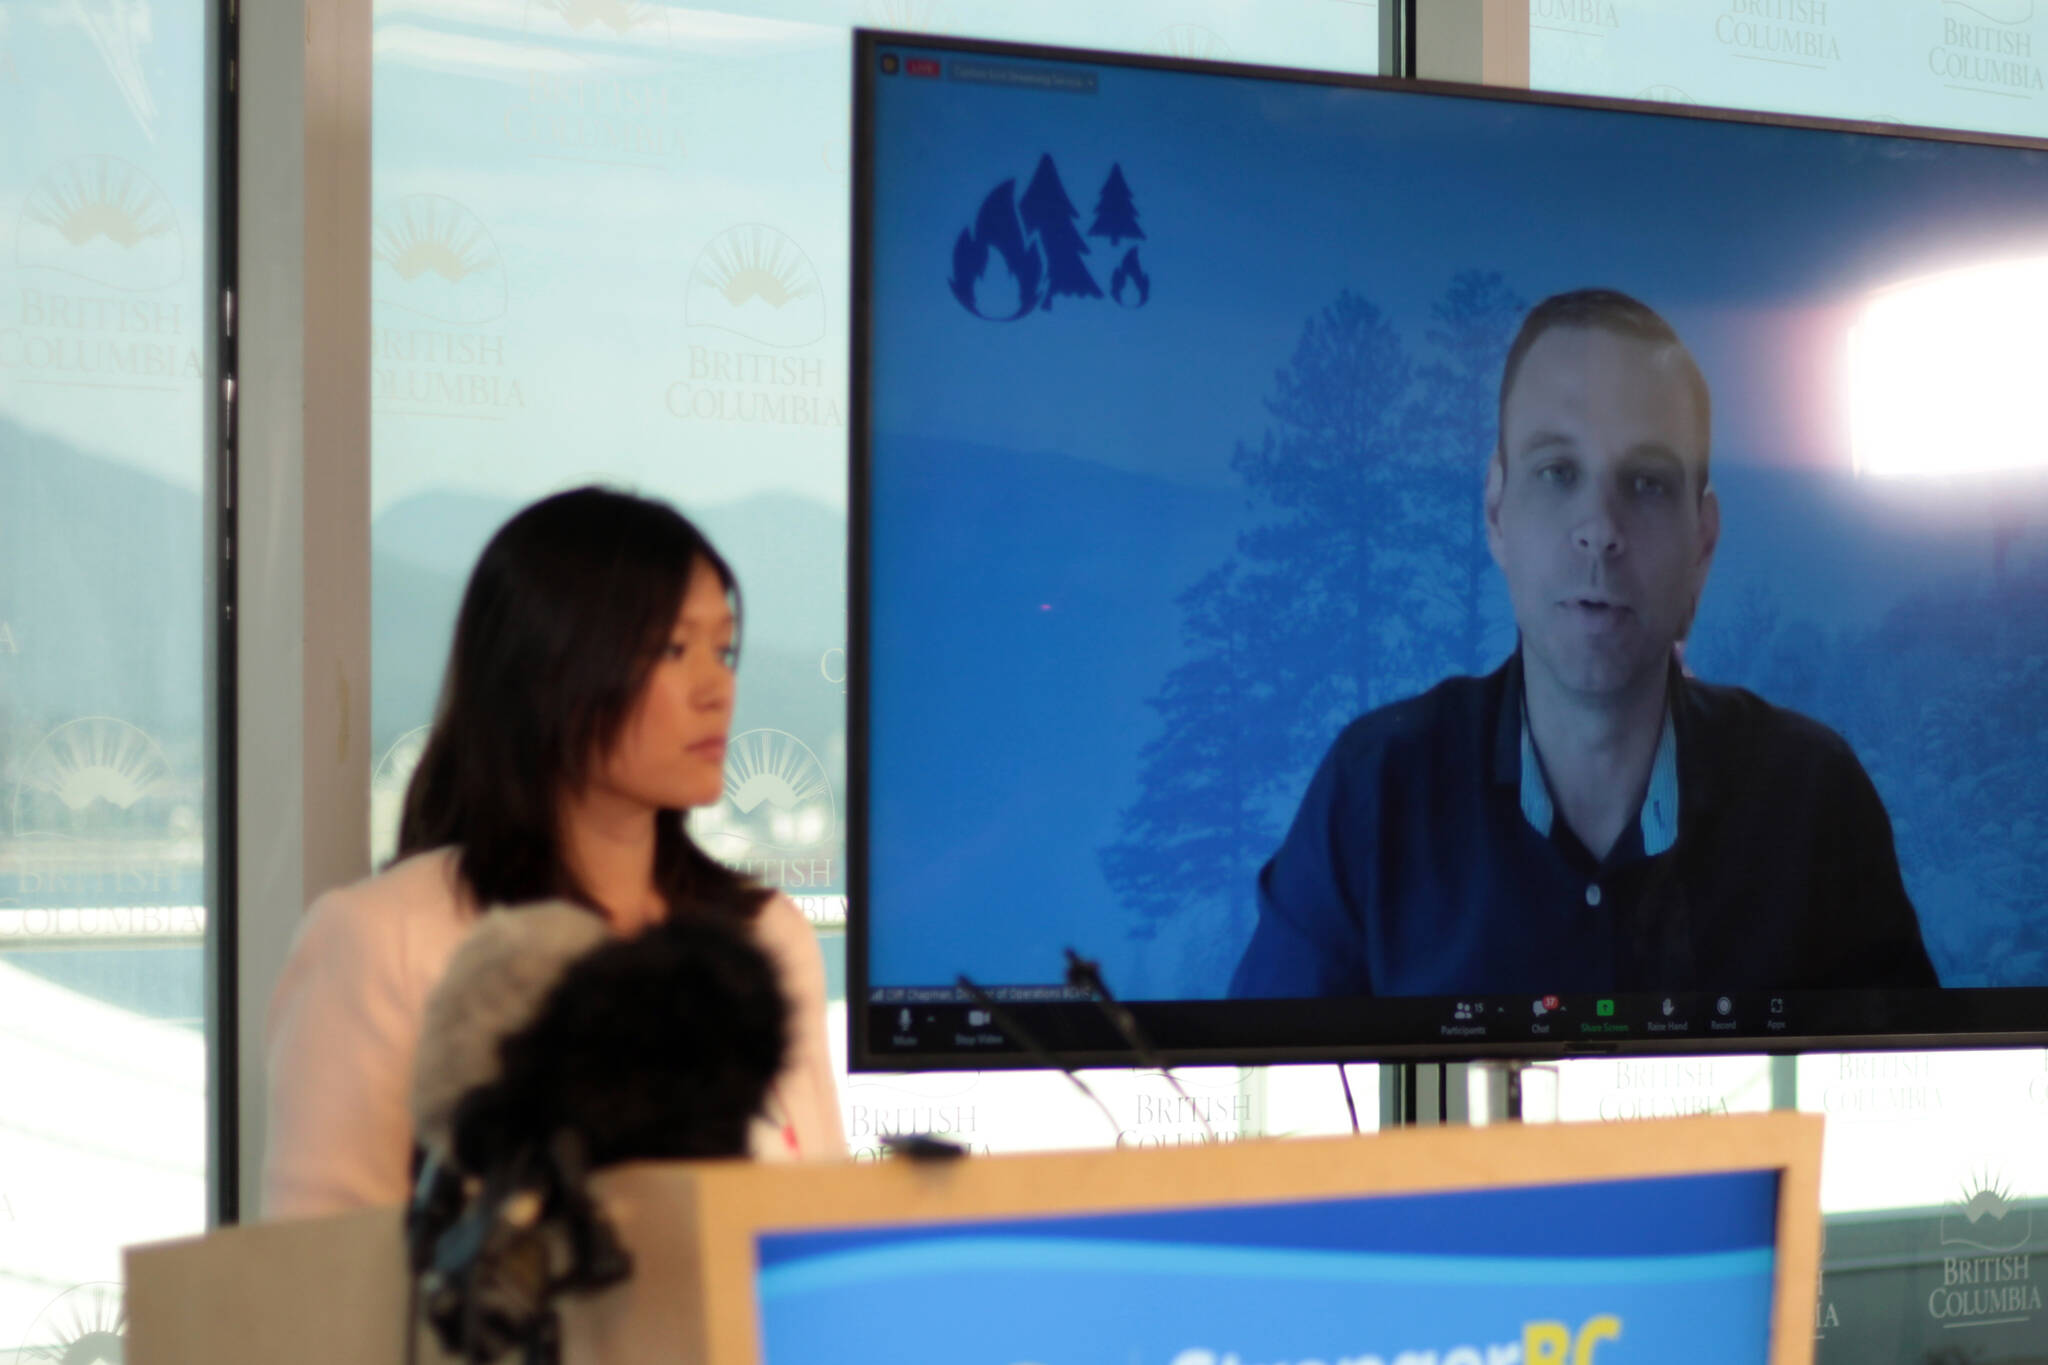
<point x="1076" y="1034"/>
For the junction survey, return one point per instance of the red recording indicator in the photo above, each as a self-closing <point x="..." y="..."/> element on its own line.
<point x="922" y="66"/>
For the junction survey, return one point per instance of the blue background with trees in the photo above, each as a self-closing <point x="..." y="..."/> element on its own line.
<point x="1134" y="568"/>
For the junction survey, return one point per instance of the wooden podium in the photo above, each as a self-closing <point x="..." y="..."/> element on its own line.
<point x="334" y="1289"/>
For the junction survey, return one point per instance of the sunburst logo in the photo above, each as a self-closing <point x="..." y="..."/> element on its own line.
<point x="755" y="282"/>
<point x="1986" y="1215"/>
<point x="82" y="1326"/>
<point x="118" y="31"/>
<point x="93" y="776"/>
<point x="432" y="256"/>
<point x="902" y="14"/>
<point x="1193" y="42"/>
<point x="778" y="801"/>
<point x="388" y="781"/>
<point x="599" y="18"/>
<point x="2008" y="12"/>
<point x="98" y="218"/>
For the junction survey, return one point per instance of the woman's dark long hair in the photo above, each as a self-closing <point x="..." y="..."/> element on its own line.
<point x="565" y="615"/>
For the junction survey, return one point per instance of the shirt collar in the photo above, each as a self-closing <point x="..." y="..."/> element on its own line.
<point x="1659" y="817"/>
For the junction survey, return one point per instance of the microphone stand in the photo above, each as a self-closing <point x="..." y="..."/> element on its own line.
<point x="1083" y="974"/>
<point x="1024" y="1038"/>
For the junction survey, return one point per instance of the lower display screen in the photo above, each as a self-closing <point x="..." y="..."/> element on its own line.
<point x="1675" y="1270"/>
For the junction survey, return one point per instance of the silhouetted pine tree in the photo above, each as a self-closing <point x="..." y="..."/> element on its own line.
<point x="1456" y="417"/>
<point x="1332" y="469"/>
<point x="1116" y="215"/>
<point x="1199" y="829"/>
<point x="1279" y="657"/>
<point x="1050" y="215"/>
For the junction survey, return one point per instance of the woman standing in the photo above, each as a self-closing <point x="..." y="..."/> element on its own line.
<point x="587" y="702"/>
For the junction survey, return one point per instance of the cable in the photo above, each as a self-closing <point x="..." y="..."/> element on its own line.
<point x="412" y="1319"/>
<point x="1086" y="975"/>
<point x="1023" y="1038"/>
<point x="1349" y="1103"/>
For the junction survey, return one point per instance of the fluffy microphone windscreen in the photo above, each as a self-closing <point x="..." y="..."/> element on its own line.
<point x="659" y="1046"/>
<point x="493" y="987"/>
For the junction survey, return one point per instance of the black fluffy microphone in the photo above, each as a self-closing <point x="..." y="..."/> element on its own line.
<point x="654" y="1047"/>
<point x="551" y="1048"/>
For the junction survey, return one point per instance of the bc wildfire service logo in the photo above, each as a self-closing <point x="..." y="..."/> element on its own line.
<point x="1023" y="252"/>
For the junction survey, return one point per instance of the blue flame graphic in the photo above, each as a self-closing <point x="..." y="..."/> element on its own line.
<point x="997" y="228"/>
<point x="1128" y="271"/>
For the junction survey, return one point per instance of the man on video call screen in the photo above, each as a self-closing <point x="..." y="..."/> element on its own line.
<point x="1589" y="817"/>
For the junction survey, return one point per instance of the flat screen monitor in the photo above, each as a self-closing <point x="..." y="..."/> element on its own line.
<point x="1392" y="569"/>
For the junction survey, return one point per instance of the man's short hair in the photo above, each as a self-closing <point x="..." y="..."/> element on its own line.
<point x="1612" y="311"/>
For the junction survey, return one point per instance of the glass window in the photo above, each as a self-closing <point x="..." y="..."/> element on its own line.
<point x="1946" y="63"/>
<point x="1933" y="1172"/>
<point x="103" y="708"/>
<point x="610" y="243"/>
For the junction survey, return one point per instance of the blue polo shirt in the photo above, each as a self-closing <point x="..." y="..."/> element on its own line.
<point x="1426" y="860"/>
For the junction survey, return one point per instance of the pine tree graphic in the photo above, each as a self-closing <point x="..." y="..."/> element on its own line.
<point x="1049" y="215"/>
<point x="1116" y="216"/>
